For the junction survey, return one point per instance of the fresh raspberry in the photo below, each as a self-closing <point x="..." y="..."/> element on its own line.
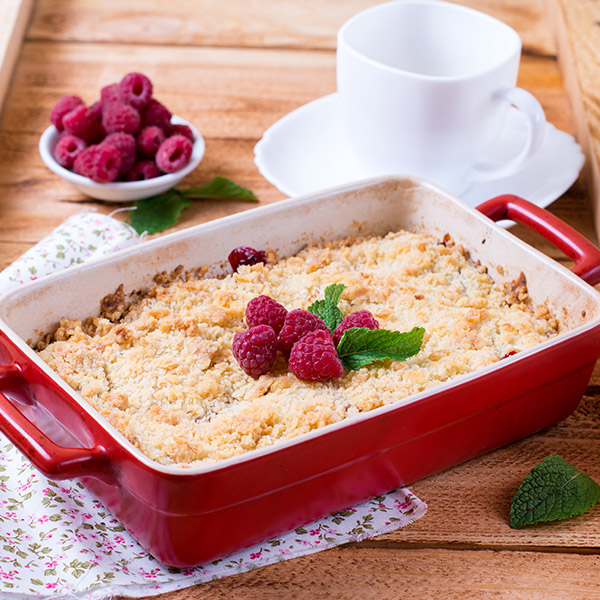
<point x="125" y="144"/>
<point x="101" y="163"/>
<point x="263" y="310"/>
<point x="65" y="105"/>
<point x="110" y="93"/>
<point x="297" y="324"/>
<point x="145" y="169"/>
<point x="156" y="114"/>
<point x="96" y="110"/>
<point x="136" y="89"/>
<point x="255" y="349"/>
<point x="118" y="116"/>
<point x="314" y="358"/>
<point x="183" y="130"/>
<point x="84" y="123"/>
<point x="244" y="255"/>
<point x="149" y="140"/>
<point x="67" y="149"/>
<point x="360" y="318"/>
<point x="173" y="154"/>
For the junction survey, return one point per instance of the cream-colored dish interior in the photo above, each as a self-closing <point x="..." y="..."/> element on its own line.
<point x="373" y="207"/>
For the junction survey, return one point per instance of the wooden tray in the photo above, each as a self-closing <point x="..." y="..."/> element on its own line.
<point x="14" y="16"/>
<point x="569" y="33"/>
<point x="576" y="26"/>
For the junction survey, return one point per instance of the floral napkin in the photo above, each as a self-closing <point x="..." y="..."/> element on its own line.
<point x="57" y="541"/>
<point x="81" y="237"/>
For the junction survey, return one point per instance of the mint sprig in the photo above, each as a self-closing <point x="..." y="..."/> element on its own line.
<point x="360" y="346"/>
<point x="157" y="213"/>
<point x="333" y="292"/>
<point x="552" y="490"/>
<point x="327" y="309"/>
<point x="220" y="187"/>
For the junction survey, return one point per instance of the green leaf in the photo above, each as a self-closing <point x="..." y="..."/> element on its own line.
<point x="330" y="314"/>
<point x="327" y="309"/>
<point x="158" y="212"/>
<point x="333" y="292"/>
<point x="360" y="346"/>
<point x="220" y="187"/>
<point x="552" y="490"/>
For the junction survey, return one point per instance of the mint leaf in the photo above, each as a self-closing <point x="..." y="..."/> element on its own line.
<point x="327" y="309"/>
<point x="329" y="313"/>
<point x="552" y="490"/>
<point x="220" y="187"/>
<point x="333" y="292"/>
<point x="156" y="213"/>
<point x="360" y="346"/>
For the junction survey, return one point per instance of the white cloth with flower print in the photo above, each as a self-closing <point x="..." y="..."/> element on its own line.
<point x="81" y="237"/>
<point x="57" y="541"/>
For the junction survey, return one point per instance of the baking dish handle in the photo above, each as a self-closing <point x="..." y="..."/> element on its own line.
<point x="54" y="461"/>
<point x="585" y="255"/>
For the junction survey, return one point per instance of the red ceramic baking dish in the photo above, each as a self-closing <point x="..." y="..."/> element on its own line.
<point x="189" y="516"/>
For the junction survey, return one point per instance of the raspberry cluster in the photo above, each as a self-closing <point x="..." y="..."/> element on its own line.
<point x="297" y="334"/>
<point x="127" y="135"/>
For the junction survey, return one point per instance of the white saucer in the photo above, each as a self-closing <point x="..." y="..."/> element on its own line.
<point x="307" y="150"/>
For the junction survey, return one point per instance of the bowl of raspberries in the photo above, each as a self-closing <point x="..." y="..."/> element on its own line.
<point x="125" y="146"/>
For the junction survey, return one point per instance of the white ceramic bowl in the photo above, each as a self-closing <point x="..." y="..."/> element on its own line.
<point x="121" y="191"/>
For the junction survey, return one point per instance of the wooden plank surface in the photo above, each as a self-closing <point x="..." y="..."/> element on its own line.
<point x="353" y="573"/>
<point x="234" y="68"/>
<point x="231" y="94"/>
<point x="243" y="23"/>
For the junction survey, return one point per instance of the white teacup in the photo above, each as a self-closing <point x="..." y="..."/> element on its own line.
<point x="425" y="87"/>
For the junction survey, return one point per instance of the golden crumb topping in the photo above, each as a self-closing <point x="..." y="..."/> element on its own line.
<point x="162" y="372"/>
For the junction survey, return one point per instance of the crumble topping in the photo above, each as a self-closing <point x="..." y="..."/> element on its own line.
<point x="159" y="367"/>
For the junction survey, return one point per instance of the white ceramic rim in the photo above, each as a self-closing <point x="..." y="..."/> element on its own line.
<point x="544" y="195"/>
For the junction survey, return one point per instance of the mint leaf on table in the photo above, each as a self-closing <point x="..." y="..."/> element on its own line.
<point x="327" y="310"/>
<point x="155" y="214"/>
<point x="552" y="490"/>
<point x="220" y="187"/>
<point x="162" y="211"/>
<point x="360" y="346"/>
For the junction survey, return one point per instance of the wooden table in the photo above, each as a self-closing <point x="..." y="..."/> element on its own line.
<point x="233" y="68"/>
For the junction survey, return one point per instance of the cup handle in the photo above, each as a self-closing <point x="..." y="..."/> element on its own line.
<point x="536" y="122"/>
